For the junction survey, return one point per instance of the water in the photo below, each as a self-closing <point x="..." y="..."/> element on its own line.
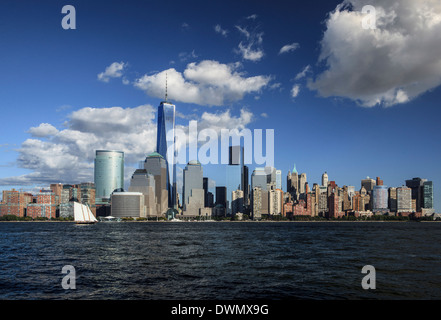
<point x="220" y="260"/>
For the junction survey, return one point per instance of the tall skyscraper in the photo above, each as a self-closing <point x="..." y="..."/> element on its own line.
<point x="193" y="191"/>
<point x="156" y="165"/>
<point x="109" y="173"/>
<point x="428" y="195"/>
<point x="325" y="179"/>
<point x="165" y="146"/>
<point x="380" y="199"/>
<point x="404" y="199"/>
<point x="279" y="179"/>
<point x="417" y="186"/>
<point x="221" y="196"/>
<point x="302" y="182"/>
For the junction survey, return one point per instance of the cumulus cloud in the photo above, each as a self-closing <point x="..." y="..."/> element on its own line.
<point x="205" y="83"/>
<point x="67" y="155"/>
<point x="392" y="64"/>
<point x="289" y="47"/>
<point x="43" y="130"/>
<point x="115" y="70"/>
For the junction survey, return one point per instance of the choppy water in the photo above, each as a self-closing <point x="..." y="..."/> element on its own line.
<point x="204" y="260"/>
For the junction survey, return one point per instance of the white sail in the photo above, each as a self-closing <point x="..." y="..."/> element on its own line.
<point x="82" y="214"/>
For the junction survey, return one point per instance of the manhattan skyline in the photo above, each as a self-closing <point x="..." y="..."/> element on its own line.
<point x="256" y="65"/>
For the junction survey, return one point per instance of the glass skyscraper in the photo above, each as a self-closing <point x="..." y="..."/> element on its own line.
<point x="109" y="173"/>
<point x="165" y="146"/>
<point x="235" y="173"/>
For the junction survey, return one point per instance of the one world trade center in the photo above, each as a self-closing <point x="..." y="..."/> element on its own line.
<point x="165" y="146"/>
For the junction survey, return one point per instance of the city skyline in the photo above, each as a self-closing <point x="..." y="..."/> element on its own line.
<point x="97" y="88"/>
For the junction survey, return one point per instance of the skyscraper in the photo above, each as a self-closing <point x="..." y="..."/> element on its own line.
<point x="109" y="173"/>
<point x="156" y="165"/>
<point x="417" y="186"/>
<point x="428" y="195"/>
<point x="278" y="179"/>
<point x="404" y="199"/>
<point x="325" y="179"/>
<point x="380" y="199"/>
<point x="368" y="184"/>
<point x="165" y="146"/>
<point x="193" y="193"/>
<point x="235" y="173"/>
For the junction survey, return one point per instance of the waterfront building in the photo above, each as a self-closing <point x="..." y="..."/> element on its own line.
<point x="292" y="183"/>
<point x="193" y="191"/>
<point x="144" y="182"/>
<point x="237" y="203"/>
<point x="257" y="203"/>
<point x="15" y="202"/>
<point x="380" y="199"/>
<point x="156" y="165"/>
<point x="417" y="187"/>
<point x="56" y="188"/>
<point x="127" y="204"/>
<point x="221" y="196"/>
<point x="88" y="195"/>
<point x="404" y="200"/>
<point x="166" y="147"/>
<point x="428" y="195"/>
<point x="109" y="173"/>
<point x="392" y="193"/>
<point x="44" y="206"/>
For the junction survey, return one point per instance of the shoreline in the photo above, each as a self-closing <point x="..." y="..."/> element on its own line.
<point x="226" y="221"/>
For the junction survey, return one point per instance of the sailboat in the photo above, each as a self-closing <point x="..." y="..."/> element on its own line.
<point x="83" y="215"/>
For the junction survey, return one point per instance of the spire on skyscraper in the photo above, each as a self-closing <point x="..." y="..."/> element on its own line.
<point x="166" y="87"/>
<point x="294" y="169"/>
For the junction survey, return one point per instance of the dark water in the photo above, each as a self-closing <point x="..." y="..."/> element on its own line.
<point x="225" y="261"/>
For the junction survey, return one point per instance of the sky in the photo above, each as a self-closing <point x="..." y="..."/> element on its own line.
<point x="351" y="100"/>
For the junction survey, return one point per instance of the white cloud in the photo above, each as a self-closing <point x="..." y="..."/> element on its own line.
<point x="251" y="48"/>
<point x="295" y="90"/>
<point x="205" y="83"/>
<point x="115" y="70"/>
<point x="392" y="64"/>
<point x="289" y="47"/>
<point x="43" y="130"/>
<point x="219" y="30"/>
<point x="303" y="73"/>
<point x="253" y="17"/>
<point x="184" y="56"/>
<point x="67" y="155"/>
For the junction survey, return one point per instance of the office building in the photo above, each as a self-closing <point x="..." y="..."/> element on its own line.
<point x="235" y="172"/>
<point x="44" y="206"/>
<point x="166" y="147"/>
<point x="302" y="183"/>
<point x="417" y="187"/>
<point x="237" y="205"/>
<point x="127" y="204"/>
<point x="279" y="179"/>
<point x="221" y="196"/>
<point x="14" y="202"/>
<point x="404" y="200"/>
<point x="156" y="165"/>
<point x="144" y="183"/>
<point x="380" y="199"/>
<point x="427" y="195"/>
<point x="368" y="184"/>
<point x="325" y="179"/>
<point x="109" y="173"/>
<point x="193" y="191"/>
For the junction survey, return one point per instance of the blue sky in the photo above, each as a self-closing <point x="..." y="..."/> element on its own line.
<point x="366" y="104"/>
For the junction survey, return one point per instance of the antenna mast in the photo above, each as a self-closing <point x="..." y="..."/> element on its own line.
<point x="166" y="87"/>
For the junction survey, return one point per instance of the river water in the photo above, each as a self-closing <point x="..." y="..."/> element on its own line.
<point x="220" y="260"/>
